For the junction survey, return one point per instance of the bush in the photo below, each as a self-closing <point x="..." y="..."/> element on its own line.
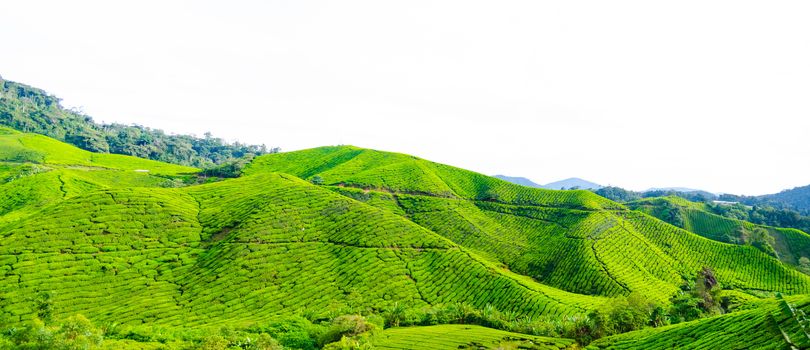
<point x="624" y="314"/>
<point x="345" y="326"/>
<point x="76" y="332"/>
<point x="317" y="180"/>
<point x="214" y="342"/>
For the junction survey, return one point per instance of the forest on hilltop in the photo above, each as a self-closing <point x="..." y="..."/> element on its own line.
<point x="33" y="110"/>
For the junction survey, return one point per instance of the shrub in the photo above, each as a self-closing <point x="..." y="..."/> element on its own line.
<point x="345" y="326"/>
<point x="317" y="180"/>
<point x="624" y="314"/>
<point x="214" y="342"/>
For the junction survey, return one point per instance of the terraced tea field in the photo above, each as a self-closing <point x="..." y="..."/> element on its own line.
<point x="780" y="324"/>
<point x="130" y="242"/>
<point x="789" y="244"/>
<point x="572" y="240"/>
<point x="463" y="337"/>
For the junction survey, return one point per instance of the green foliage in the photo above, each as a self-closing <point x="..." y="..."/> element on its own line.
<point x="763" y="214"/>
<point x="32" y="110"/>
<point x="43" y="304"/>
<point x="230" y="169"/>
<point x="763" y="327"/>
<point x="346" y="327"/>
<point x="699" y="298"/>
<point x="74" y="333"/>
<point x="617" y="194"/>
<point x="621" y="195"/>
<point x="214" y="342"/>
<point x="625" y="314"/>
<point x="787" y="245"/>
<point x="387" y="239"/>
<point x="462" y="337"/>
<point x="793" y="202"/>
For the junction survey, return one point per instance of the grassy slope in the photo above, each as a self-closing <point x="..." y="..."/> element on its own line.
<point x="24" y="147"/>
<point x="240" y="251"/>
<point x="462" y="337"/>
<point x="790" y="244"/>
<point x="234" y="252"/>
<point x="777" y="324"/>
<point x="572" y="240"/>
<point x="36" y="170"/>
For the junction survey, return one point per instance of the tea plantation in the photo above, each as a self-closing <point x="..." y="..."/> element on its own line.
<point x="159" y="257"/>
<point x="779" y="324"/>
<point x="787" y="244"/>
<point x="572" y="240"/>
<point x="462" y="337"/>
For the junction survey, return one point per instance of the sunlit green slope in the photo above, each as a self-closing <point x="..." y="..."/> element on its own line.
<point x="776" y="324"/>
<point x="572" y="240"/>
<point x="239" y="251"/>
<point x="36" y="170"/>
<point x="333" y="228"/>
<point x="23" y="147"/>
<point x="787" y="244"/>
<point x="462" y="337"/>
<point x="401" y="173"/>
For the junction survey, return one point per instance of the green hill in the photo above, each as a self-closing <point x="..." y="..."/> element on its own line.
<point x="573" y="240"/>
<point x="777" y="324"/>
<point x="462" y="337"/>
<point x="320" y="232"/>
<point x="243" y="250"/>
<point x="789" y="245"/>
<point x="36" y="170"/>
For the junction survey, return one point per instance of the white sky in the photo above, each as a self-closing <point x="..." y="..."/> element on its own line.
<point x="704" y="94"/>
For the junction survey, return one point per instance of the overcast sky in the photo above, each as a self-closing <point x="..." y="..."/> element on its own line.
<point x="705" y="94"/>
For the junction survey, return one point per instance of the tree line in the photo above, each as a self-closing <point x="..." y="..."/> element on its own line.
<point x="758" y="210"/>
<point x="33" y="110"/>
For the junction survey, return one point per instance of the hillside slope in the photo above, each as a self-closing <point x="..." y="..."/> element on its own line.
<point x="36" y="170"/>
<point x="327" y="230"/>
<point x="231" y="252"/>
<point x="778" y="324"/>
<point x="787" y="244"/>
<point x="573" y="240"/>
<point x="796" y="198"/>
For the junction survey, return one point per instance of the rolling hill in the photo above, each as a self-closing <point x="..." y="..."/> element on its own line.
<point x="787" y="244"/>
<point x="324" y="231"/>
<point x="777" y="324"/>
<point x="566" y="184"/>
<point x="796" y="198"/>
<point x="231" y="252"/>
<point x="573" y="240"/>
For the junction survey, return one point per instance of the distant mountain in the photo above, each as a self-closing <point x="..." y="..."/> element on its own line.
<point x="674" y="189"/>
<point x="572" y="183"/>
<point x="519" y="181"/>
<point x="557" y="185"/>
<point x="796" y="199"/>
